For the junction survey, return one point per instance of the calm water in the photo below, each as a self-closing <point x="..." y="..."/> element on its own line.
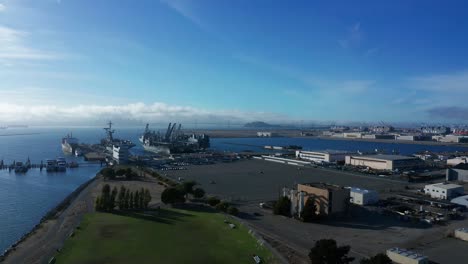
<point x="24" y="199"/>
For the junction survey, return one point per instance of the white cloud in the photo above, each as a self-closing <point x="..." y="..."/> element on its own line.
<point x="448" y="83"/>
<point x="2" y="7"/>
<point x="349" y="86"/>
<point x="14" y="47"/>
<point x="81" y="114"/>
<point x="185" y="9"/>
<point x="353" y="37"/>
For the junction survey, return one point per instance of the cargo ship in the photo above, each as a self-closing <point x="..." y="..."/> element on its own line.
<point x="173" y="140"/>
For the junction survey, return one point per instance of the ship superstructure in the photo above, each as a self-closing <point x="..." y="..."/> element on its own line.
<point x="69" y="144"/>
<point x="173" y="140"/>
<point x="117" y="148"/>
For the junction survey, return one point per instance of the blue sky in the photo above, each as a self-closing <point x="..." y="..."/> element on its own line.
<point x="237" y="60"/>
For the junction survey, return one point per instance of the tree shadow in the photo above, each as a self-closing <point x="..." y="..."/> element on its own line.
<point x="363" y="218"/>
<point x="195" y="207"/>
<point x="164" y="216"/>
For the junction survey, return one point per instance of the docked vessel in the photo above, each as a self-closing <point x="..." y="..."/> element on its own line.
<point x="173" y="141"/>
<point x="69" y="144"/>
<point x="118" y="149"/>
<point x="56" y="165"/>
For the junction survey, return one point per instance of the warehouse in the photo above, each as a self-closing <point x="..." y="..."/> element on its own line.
<point x="444" y="190"/>
<point x="457" y="160"/>
<point x="458" y="173"/>
<point x="323" y="156"/>
<point x="461" y="200"/>
<point x="363" y="197"/>
<point x="404" y="256"/>
<point x="384" y="162"/>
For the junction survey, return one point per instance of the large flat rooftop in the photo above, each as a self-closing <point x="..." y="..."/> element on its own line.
<point x="385" y="157"/>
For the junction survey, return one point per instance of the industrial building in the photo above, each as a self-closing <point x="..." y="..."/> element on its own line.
<point x="362" y="196"/>
<point x="444" y="190"/>
<point x="352" y="135"/>
<point x="379" y="136"/>
<point x="413" y="138"/>
<point x="329" y="199"/>
<point x="404" y="256"/>
<point x="266" y="134"/>
<point x="457" y="160"/>
<point x="436" y="130"/>
<point x="384" y="162"/>
<point x="381" y="129"/>
<point x="461" y="200"/>
<point x="451" y="139"/>
<point x="457" y="173"/>
<point x="322" y="156"/>
<point x="461" y="233"/>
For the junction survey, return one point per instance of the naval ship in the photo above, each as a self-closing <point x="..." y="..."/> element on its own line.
<point x="173" y="141"/>
<point x="69" y="144"/>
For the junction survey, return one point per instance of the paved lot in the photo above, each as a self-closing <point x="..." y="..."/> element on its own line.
<point x="251" y="181"/>
<point x="256" y="180"/>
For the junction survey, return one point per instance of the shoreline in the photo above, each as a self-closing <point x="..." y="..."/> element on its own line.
<point x="52" y="214"/>
<point x="393" y="141"/>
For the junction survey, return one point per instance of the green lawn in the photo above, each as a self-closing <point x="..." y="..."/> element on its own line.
<point x="170" y="236"/>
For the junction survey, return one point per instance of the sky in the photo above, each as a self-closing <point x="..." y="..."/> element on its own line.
<point x="84" y="61"/>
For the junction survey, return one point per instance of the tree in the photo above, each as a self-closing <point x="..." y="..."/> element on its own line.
<point x="377" y="259"/>
<point x="146" y="198"/>
<point x="127" y="199"/>
<point x="172" y="195"/>
<point x="326" y="251"/>
<point x="213" y="201"/>
<point x="187" y="187"/>
<point x="232" y="210"/>
<point x="113" y="196"/>
<point x="105" y="197"/>
<point x="97" y="204"/>
<point x="282" y="206"/>
<point x="136" y="200"/>
<point x="122" y="197"/>
<point x="198" y="193"/>
<point x="121" y="172"/>
<point x="108" y="173"/>
<point x="222" y="206"/>
<point x="309" y="212"/>
<point x="130" y="202"/>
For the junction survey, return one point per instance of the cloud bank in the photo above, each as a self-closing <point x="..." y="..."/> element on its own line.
<point x="129" y="113"/>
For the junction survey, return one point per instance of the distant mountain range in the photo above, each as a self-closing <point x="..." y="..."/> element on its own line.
<point x="260" y="124"/>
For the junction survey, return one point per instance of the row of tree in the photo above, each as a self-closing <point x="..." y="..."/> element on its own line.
<point x="123" y="199"/>
<point x="326" y="251"/>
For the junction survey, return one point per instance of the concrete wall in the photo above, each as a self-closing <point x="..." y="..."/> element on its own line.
<point x="321" y="197"/>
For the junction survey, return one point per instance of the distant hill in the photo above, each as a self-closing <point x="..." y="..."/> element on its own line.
<point x="260" y="124"/>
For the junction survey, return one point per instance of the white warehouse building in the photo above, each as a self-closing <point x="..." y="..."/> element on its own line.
<point x="444" y="190"/>
<point x="322" y="156"/>
<point x="362" y="196"/>
<point x="384" y="162"/>
<point x="404" y="256"/>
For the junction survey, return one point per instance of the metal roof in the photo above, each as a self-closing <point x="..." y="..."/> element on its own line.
<point x="445" y="186"/>
<point x="407" y="253"/>
<point x="461" y="200"/>
<point x="386" y="157"/>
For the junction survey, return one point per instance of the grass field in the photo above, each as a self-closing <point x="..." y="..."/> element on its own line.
<point x="165" y="236"/>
